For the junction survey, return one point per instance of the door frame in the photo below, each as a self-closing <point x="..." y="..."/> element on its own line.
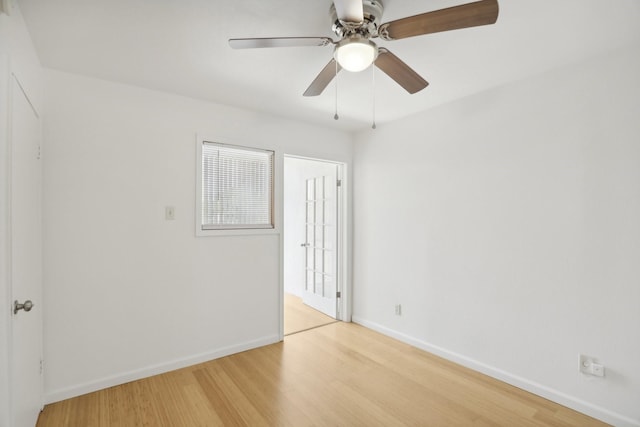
<point x="343" y="247"/>
<point x="5" y="282"/>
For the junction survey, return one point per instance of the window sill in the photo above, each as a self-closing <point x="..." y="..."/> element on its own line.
<point x="237" y="232"/>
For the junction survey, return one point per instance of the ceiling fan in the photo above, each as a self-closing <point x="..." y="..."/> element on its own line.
<point x="356" y="22"/>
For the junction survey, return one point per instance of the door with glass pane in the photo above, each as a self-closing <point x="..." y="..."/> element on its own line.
<point x="321" y="209"/>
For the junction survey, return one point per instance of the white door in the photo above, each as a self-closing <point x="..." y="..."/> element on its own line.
<point x="26" y="260"/>
<point x="321" y="231"/>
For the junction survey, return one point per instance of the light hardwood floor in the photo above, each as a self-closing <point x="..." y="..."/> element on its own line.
<point x="340" y="374"/>
<point x="300" y="317"/>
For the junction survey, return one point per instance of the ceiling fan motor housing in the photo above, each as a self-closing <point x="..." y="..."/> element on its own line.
<point x="372" y="9"/>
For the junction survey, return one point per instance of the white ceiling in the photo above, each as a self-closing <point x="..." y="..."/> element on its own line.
<point x="180" y="46"/>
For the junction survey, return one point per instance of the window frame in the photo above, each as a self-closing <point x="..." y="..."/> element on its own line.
<point x="227" y="230"/>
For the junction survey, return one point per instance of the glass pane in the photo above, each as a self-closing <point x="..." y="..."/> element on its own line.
<point x="319" y="241"/>
<point x="328" y="237"/>
<point x="310" y="235"/>
<point x="329" y="212"/>
<point x="319" y="260"/>
<point x="309" y="283"/>
<point x="310" y="263"/>
<point x="327" y="264"/>
<point x="319" y="288"/>
<point x="311" y="186"/>
<point x="311" y="210"/>
<point x="319" y="212"/>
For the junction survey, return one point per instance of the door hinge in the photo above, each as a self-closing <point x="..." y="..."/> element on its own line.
<point x="338" y="294"/>
<point x="339" y="183"/>
<point x="41" y="366"/>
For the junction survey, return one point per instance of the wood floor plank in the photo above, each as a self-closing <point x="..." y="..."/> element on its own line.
<point x="338" y="374"/>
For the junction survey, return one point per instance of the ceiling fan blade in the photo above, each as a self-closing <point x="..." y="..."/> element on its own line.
<point x="323" y="79"/>
<point x="279" y="42"/>
<point x="399" y="71"/>
<point x="483" y="12"/>
<point x="349" y="10"/>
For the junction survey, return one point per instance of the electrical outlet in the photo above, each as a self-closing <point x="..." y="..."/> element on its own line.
<point x="398" y="310"/>
<point x="597" y="370"/>
<point x="590" y="366"/>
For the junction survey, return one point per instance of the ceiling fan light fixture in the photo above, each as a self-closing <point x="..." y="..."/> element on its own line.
<point x="355" y="53"/>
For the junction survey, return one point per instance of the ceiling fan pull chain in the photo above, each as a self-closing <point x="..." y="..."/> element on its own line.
<point x="373" y="90"/>
<point x="336" y="117"/>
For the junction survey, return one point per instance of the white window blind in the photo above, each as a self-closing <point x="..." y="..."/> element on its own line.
<point x="237" y="187"/>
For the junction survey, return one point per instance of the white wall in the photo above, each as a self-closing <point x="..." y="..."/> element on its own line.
<point x="127" y="293"/>
<point x="506" y="224"/>
<point x="17" y="56"/>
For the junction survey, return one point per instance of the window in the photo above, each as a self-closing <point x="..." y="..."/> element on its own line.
<point x="236" y="188"/>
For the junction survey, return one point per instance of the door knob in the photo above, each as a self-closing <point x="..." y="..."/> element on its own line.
<point x="27" y="306"/>
<point x="305" y="245"/>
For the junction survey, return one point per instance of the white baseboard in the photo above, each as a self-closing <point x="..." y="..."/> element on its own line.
<point x="148" y="371"/>
<point x="517" y="381"/>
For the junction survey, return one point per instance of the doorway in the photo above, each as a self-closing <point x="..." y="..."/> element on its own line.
<point x="313" y="243"/>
